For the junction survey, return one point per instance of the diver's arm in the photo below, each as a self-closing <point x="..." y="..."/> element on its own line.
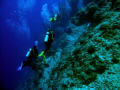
<point x="53" y="37"/>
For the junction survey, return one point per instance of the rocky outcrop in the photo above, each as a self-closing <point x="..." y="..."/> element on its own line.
<point x="90" y="60"/>
<point x="96" y="13"/>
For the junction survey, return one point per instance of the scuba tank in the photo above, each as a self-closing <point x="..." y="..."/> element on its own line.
<point x="28" y="53"/>
<point x="46" y="37"/>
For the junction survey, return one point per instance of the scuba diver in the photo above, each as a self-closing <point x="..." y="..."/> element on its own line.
<point x="57" y="17"/>
<point x="88" y="26"/>
<point x="49" y="38"/>
<point x="67" y="30"/>
<point x="32" y="53"/>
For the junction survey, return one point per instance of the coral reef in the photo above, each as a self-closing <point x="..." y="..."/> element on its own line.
<point x="90" y="60"/>
<point x="95" y="13"/>
<point x="85" y="2"/>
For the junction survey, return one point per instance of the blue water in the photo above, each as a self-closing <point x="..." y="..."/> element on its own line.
<point x="19" y="28"/>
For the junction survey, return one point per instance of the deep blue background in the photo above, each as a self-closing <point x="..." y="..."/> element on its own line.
<point x="12" y="48"/>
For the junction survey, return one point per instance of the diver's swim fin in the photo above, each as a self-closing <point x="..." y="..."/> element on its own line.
<point x="19" y="68"/>
<point x="50" y="19"/>
<point x="44" y="59"/>
<point x="41" y="54"/>
<point x="55" y="18"/>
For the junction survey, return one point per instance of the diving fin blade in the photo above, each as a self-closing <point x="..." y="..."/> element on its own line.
<point x="41" y="54"/>
<point x="44" y="59"/>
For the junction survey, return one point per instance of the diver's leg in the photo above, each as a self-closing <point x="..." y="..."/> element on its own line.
<point x="47" y="48"/>
<point x="24" y="63"/>
<point x="44" y="51"/>
<point x="27" y="63"/>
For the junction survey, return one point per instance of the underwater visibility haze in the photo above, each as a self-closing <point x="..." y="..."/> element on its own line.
<point x="21" y="24"/>
<point x="78" y="44"/>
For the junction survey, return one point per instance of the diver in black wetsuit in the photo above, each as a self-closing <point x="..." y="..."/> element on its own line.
<point x="32" y="53"/>
<point x="68" y="30"/>
<point x="49" y="38"/>
<point x="57" y="17"/>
